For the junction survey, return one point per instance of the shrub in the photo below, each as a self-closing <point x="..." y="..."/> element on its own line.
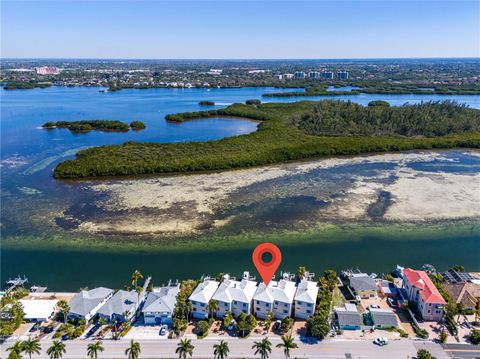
<point x="253" y="102"/>
<point x="378" y="103"/>
<point x="286" y="325"/>
<point x="474" y="336"/>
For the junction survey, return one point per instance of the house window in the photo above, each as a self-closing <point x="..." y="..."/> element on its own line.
<point x="244" y="305"/>
<point x="276" y="303"/>
<point x="309" y="312"/>
<point x="285" y="311"/>
<point x="258" y="309"/>
<point x="309" y="305"/>
<point x="258" y="302"/>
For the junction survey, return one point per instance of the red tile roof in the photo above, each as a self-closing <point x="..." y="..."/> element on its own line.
<point x="421" y="280"/>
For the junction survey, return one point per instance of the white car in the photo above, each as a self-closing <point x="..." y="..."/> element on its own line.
<point x="381" y="341"/>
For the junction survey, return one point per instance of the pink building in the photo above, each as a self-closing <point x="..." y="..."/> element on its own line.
<point x="422" y="292"/>
<point x="46" y="70"/>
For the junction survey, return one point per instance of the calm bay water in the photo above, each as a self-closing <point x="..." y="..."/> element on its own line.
<point x="29" y="154"/>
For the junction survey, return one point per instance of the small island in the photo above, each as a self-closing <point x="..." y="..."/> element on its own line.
<point x="206" y="103"/>
<point x="26" y="85"/>
<point x="288" y="131"/>
<point x="99" y="125"/>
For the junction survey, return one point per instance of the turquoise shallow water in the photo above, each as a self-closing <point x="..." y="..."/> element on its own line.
<point x="29" y="153"/>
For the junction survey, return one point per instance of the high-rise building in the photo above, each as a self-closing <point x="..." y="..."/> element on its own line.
<point x="342" y="75"/>
<point x="314" y="75"/>
<point x="299" y="75"/>
<point x="327" y="75"/>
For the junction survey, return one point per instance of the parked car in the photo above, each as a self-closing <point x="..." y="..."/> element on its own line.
<point x="381" y="341"/>
<point x="92" y="330"/>
<point x="35" y="327"/>
<point x="375" y="306"/>
<point x="231" y="326"/>
<point x="277" y="324"/>
<point x="391" y="302"/>
<point x="65" y="337"/>
<point x="163" y="330"/>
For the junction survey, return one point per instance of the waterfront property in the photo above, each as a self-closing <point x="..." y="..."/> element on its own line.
<point x="362" y="285"/>
<point x="121" y="307"/>
<point x="423" y="294"/>
<point x="85" y="305"/>
<point x="348" y="317"/>
<point x="235" y="296"/>
<point x="160" y="304"/>
<point x="38" y="310"/>
<point x="201" y="296"/>
<point x="305" y="299"/>
<point x="277" y="297"/>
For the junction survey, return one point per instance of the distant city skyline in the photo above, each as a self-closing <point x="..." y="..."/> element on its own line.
<point x="240" y="30"/>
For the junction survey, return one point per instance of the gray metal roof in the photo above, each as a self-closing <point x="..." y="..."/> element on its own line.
<point x="348" y="317"/>
<point x="82" y="303"/>
<point x="383" y="317"/>
<point x="121" y="302"/>
<point x="362" y="282"/>
<point x="161" y="301"/>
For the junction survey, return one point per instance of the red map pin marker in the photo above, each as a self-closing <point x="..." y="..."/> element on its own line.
<point x="266" y="269"/>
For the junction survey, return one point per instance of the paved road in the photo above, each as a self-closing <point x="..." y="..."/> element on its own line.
<point x="328" y="349"/>
<point x="463" y="351"/>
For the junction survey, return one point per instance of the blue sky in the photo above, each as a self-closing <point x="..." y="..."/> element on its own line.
<point x="240" y="29"/>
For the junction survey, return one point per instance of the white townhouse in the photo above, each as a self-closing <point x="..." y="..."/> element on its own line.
<point x="277" y="297"/>
<point x="201" y="296"/>
<point x="305" y="299"/>
<point x="235" y="296"/>
<point x="85" y="305"/>
<point x="160" y="304"/>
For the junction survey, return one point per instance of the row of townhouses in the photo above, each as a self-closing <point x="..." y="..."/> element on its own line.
<point x="283" y="298"/>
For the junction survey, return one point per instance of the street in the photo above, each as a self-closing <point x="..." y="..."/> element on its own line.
<point x="332" y="349"/>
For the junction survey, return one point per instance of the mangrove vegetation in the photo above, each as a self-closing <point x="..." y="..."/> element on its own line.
<point x="99" y="125"/>
<point x="288" y="131"/>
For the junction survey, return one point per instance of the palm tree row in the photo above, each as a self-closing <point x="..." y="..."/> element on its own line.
<point x="185" y="348"/>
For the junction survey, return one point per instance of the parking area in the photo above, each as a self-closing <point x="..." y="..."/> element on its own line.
<point x="145" y="332"/>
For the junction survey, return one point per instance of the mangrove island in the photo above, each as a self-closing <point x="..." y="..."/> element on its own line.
<point x="289" y="131"/>
<point x="99" y="125"/>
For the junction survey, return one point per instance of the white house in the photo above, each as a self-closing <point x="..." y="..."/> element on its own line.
<point x="160" y="304"/>
<point x="121" y="307"/>
<point x="305" y="299"/>
<point x="85" y="305"/>
<point x="38" y="310"/>
<point x="201" y="296"/>
<point x="277" y="297"/>
<point x="235" y="296"/>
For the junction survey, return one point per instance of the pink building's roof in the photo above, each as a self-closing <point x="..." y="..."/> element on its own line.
<point x="428" y="291"/>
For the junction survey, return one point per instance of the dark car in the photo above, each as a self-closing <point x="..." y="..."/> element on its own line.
<point x="35" y="327"/>
<point x="92" y="330"/>
<point x="65" y="337"/>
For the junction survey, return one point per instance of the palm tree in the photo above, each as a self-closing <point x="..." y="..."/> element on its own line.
<point x="212" y="306"/>
<point x="94" y="348"/>
<point x="264" y="348"/>
<point x="136" y="275"/>
<point x="134" y="350"/>
<point x="31" y="346"/>
<point x="184" y="347"/>
<point x="15" y="350"/>
<point x="63" y="305"/>
<point x="221" y="350"/>
<point x="57" y="350"/>
<point x="287" y="344"/>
